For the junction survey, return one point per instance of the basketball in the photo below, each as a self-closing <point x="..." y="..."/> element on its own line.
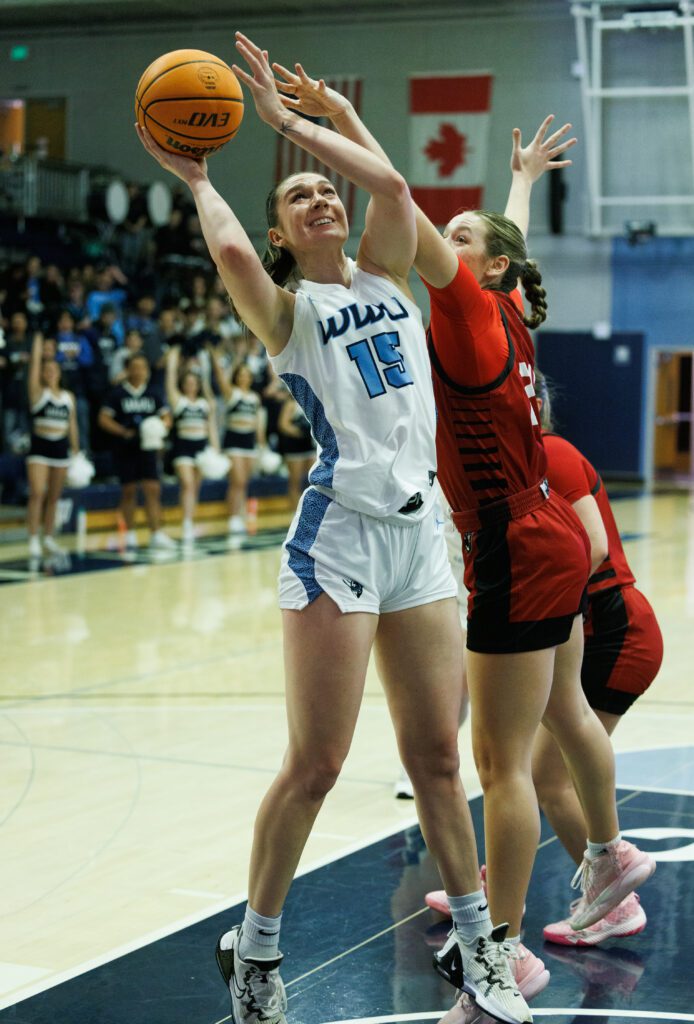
<point x="190" y="102"/>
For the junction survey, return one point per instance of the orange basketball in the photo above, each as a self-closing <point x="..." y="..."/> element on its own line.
<point x="190" y="101"/>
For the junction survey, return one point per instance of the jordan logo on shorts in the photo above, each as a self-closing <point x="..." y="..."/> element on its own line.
<point x="467" y="542"/>
<point x="356" y="588"/>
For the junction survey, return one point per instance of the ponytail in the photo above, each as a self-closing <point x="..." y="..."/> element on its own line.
<point x="504" y="238"/>
<point x="531" y="279"/>
<point x="278" y="262"/>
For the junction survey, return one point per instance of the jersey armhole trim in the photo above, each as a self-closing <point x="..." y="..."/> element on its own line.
<point x="483" y="388"/>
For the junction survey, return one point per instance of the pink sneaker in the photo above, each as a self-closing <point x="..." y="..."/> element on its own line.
<point x="529" y="971"/>
<point x="466" y="1011"/>
<point x="627" y="918"/>
<point x="438" y="900"/>
<point x="606" y="880"/>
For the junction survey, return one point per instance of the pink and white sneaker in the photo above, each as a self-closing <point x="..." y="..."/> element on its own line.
<point x="466" y="1011"/>
<point x="627" y="918"/>
<point x="529" y="971"/>
<point x="606" y="880"/>
<point x="438" y="900"/>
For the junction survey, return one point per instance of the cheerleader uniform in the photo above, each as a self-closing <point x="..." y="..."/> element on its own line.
<point x="526" y="554"/>
<point x="191" y="428"/>
<point x="50" y="429"/>
<point x="295" y="448"/>
<point x="241" y="435"/>
<point x="623" y="643"/>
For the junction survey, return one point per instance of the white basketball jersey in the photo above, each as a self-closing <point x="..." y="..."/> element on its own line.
<point x="357" y="364"/>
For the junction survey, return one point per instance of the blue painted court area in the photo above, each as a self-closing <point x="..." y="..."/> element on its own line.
<point x="359" y="942"/>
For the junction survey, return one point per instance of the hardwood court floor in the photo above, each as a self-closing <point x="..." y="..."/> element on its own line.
<point x="142" y="720"/>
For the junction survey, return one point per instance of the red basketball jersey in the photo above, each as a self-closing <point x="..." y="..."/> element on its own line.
<point x="488" y="437"/>
<point x="571" y="475"/>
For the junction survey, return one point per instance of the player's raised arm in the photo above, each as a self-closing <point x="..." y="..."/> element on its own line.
<point x="528" y="163"/>
<point x="267" y="309"/>
<point x="389" y="242"/>
<point x="434" y="259"/>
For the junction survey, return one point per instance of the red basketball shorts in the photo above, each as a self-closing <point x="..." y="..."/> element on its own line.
<point x="526" y="579"/>
<point x="623" y="649"/>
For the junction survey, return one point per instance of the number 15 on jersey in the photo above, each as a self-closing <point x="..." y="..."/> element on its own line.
<point x="380" y="362"/>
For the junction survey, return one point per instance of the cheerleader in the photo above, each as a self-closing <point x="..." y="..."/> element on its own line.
<point x="241" y="437"/>
<point x="296" y="446"/>
<point x="194" y="428"/>
<point x="54" y="436"/>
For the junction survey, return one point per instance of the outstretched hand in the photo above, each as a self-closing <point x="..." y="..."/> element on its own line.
<point x="184" y="167"/>
<point x="541" y="154"/>
<point x="308" y="95"/>
<point x="261" y="82"/>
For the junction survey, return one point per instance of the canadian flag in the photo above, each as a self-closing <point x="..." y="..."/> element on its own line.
<point x="449" y="126"/>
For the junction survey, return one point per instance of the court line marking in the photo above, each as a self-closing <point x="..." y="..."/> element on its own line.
<point x="200" y="915"/>
<point x="133" y="755"/>
<point x="656" y="789"/>
<point x="545" y="1011"/>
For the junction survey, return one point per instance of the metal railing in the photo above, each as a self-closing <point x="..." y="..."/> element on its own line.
<point x="30" y="187"/>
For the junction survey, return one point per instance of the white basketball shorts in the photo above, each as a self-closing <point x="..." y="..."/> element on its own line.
<point x="364" y="564"/>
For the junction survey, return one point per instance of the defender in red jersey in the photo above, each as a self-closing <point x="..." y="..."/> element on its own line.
<point x="622" y="655"/>
<point x="527" y="557"/>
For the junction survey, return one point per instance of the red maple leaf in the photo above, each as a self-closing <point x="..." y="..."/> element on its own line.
<point x="449" y="149"/>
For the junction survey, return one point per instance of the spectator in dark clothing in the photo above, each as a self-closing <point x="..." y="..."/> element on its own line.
<point x="52" y="294"/>
<point x="76" y="303"/>
<point x="121" y="417"/>
<point x="17" y="353"/>
<point x="172" y="239"/>
<point x="75" y="356"/>
<point x="104" y="341"/>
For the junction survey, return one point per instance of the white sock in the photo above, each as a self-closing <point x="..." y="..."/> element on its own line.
<point x="594" y="850"/>
<point x="513" y="939"/>
<point x="260" y="936"/>
<point x="470" y="915"/>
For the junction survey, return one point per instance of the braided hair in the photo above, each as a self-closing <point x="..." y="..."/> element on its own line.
<point x="504" y="238"/>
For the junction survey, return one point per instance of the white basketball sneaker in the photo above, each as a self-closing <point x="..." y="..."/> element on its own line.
<point x="256" y="989"/>
<point x="485" y="971"/>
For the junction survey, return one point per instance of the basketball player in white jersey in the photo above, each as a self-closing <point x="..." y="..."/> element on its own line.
<point x="365" y="561"/>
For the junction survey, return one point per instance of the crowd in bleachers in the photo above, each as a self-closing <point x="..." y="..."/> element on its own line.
<point x="155" y="290"/>
<point x="158" y="289"/>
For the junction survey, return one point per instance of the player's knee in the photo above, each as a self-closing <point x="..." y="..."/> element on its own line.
<point x="497" y="763"/>
<point x="440" y="759"/>
<point x="552" y="795"/>
<point x="315" y="775"/>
